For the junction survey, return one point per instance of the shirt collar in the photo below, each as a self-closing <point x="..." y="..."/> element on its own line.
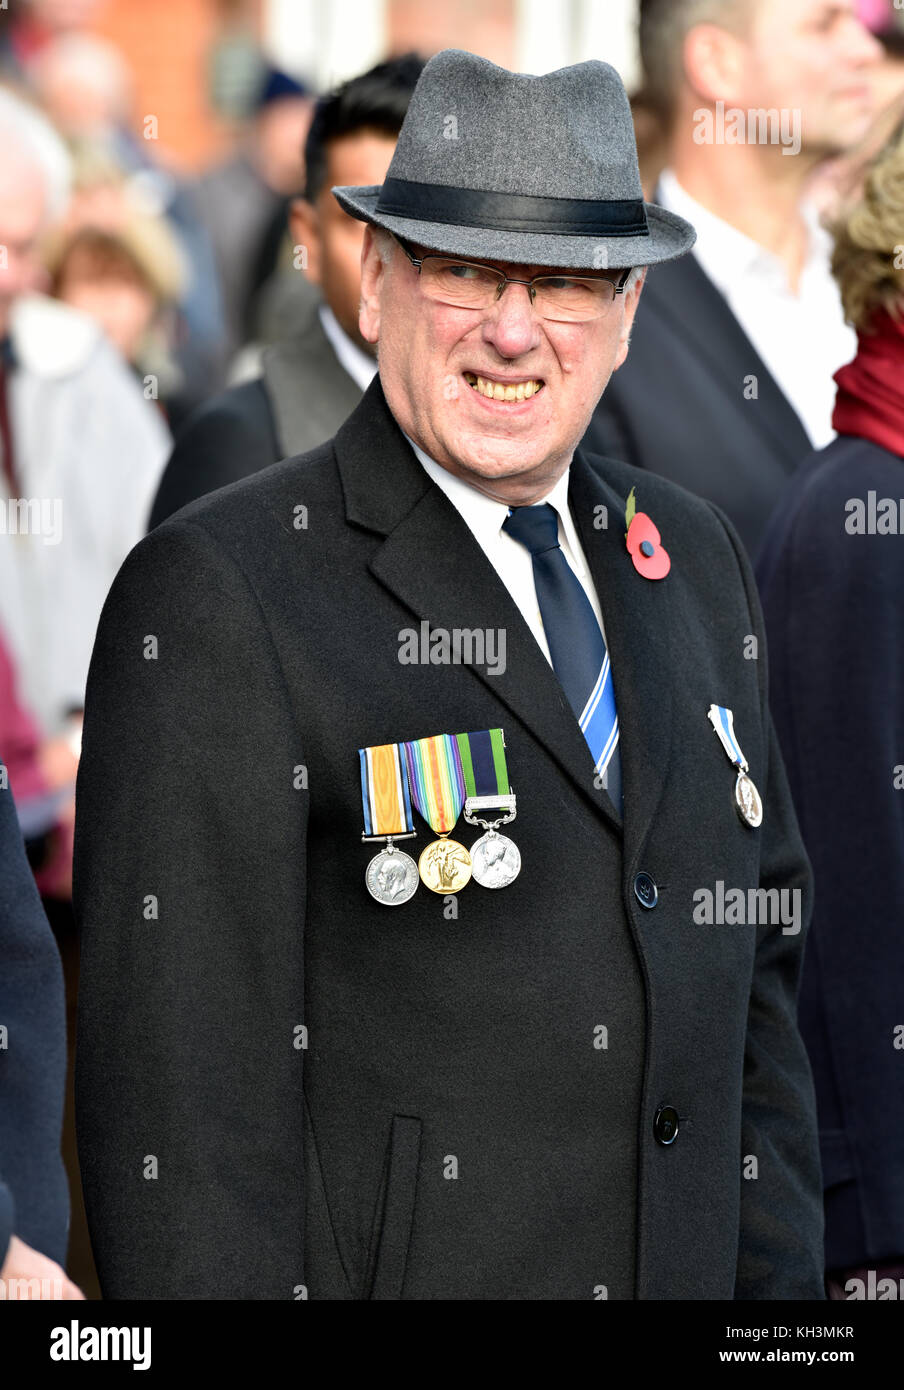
<point x="726" y="253"/>
<point x="723" y="251"/>
<point x="485" y="515"/>
<point x="360" y="367"/>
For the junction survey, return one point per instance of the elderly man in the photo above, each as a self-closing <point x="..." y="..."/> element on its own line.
<point x="81" y="450"/>
<point x="571" y="1080"/>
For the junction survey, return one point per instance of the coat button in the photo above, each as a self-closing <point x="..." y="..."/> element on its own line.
<point x="645" y="890"/>
<point x="665" y="1125"/>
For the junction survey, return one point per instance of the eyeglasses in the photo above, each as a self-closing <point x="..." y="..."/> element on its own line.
<point x="470" y="285"/>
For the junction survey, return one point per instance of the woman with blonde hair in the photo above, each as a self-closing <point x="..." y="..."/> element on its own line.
<point x="831" y="574"/>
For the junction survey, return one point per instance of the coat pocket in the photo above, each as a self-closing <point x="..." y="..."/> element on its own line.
<point x="394" y="1214"/>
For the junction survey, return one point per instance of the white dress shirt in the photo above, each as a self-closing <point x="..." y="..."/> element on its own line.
<point x="510" y="559"/>
<point x="802" y="338"/>
<point x="361" y="367"/>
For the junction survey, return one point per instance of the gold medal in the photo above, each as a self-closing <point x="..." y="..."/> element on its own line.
<point x="445" y="866"/>
<point x="438" y="792"/>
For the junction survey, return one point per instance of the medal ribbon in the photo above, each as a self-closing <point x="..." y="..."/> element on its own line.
<point x="722" y="721"/>
<point x="483" y="763"/>
<point x="384" y="790"/>
<point x="437" y="780"/>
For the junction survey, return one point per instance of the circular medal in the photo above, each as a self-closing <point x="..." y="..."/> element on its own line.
<point x="495" y="860"/>
<point x="747" y="800"/>
<point x="445" y="866"/>
<point x="391" y="877"/>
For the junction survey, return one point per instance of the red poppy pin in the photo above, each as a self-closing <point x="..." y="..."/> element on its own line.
<point x="644" y="543"/>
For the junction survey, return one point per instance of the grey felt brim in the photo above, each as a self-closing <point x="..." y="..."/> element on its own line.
<point x="670" y="237"/>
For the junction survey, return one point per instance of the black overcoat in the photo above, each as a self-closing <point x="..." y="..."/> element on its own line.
<point x="285" y="1089"/>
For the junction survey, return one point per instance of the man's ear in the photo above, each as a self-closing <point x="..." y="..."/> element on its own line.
<point x="304" y="226"/>
<point x="714" y="64"/>
<point x="372" y="272"/>
<point x="632" y="299"/>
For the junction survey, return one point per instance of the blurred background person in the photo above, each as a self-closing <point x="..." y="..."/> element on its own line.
<point x="832" y="184"/>
<point x="41" y="774"/>
<point x="81" y="454"/>
<point x="312" y="381"/>
<point x="244" y="200"/>
<point x="80" y="443"/>
<point x="831" y="575"/>
<point x="85" y="86"/>
<point x="123" y="266"/>
<point x="121" y="279"/>
<point x="34" y="1201"/>
<point x="744" y="334"/>
<point x="30" y="26"/>
<point x="885" y="18"/>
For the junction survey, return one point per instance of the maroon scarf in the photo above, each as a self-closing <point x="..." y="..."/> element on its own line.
<point x="870" y="400"/>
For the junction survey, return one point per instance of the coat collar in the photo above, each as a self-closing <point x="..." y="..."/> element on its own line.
<point x="431" y="562"/>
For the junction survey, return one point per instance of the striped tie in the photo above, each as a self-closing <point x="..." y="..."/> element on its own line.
<point x="576" y="644"/>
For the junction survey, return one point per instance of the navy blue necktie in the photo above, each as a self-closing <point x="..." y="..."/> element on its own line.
<point x="576" y="645"/>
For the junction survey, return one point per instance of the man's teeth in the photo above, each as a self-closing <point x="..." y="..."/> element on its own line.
<point x="510" y="391"/>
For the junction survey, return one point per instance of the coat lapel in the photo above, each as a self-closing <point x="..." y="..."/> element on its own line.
<point x="637" y="619"/>
<point x="305" y="418"/>
<point x="435" y="566"/>
<point x="431" y="562"/>
<point x="681" y="292"/>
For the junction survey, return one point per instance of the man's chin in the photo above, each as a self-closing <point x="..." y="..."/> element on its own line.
<point x="482" y="468"/>
<point x="499" y="459"/>
<point x="843" y="136"/>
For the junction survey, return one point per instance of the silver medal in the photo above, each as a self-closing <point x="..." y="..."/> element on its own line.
<point x="495" y="860"/>
<point x="747" y="800"/>
<point x="392" y="877"/>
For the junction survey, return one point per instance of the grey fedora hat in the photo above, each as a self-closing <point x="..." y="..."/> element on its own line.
<point x="510" y="167"/>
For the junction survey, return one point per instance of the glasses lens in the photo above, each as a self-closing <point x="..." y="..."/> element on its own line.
<point x="573" y="300"/>
<point x="471" y="286"/>
<point x="460" y="282"/>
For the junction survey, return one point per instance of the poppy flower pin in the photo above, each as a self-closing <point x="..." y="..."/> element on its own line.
<point x="644" y="543"/>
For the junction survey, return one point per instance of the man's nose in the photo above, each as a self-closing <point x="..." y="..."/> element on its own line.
<point x="511" y="325"/>
<point x="860" y="46"/>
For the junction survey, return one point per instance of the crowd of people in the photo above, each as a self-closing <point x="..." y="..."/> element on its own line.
<point x="162" y="337"/>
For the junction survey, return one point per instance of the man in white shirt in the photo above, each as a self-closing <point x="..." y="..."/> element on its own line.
<point x="485" y="515"/>
<point x="745" y="335"/>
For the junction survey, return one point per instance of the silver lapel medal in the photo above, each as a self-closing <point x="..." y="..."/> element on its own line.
<point x="748" y="801"/>
<point x="391" y="876"/>
<point x="495" y="859"/>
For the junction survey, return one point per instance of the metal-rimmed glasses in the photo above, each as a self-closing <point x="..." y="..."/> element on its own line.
<point x="468" y="284"/>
